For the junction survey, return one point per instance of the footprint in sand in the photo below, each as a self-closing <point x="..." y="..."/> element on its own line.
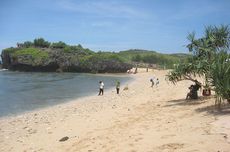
<point x="41" y="149"/>
<point x="171" y="146"/>
<point x="20" y="141"/>
<point x="140" y="134"/>
<point x="167" y="136"/>
<point x="138" y="139"/>
<point x="31" y="131"/>
<point x="146" y="127"/>
<point x="131" y="145"/>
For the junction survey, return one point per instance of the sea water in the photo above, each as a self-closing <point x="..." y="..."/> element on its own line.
<point x="23" y="91"/>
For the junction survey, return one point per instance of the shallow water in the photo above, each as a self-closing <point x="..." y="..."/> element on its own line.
<point x="21" y="92"/>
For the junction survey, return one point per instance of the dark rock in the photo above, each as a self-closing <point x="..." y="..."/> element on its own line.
<point x="6" y="59"/>
<point x="64" y="138"/>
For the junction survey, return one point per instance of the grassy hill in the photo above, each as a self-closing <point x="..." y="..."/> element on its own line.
<point x="152" y="57"/>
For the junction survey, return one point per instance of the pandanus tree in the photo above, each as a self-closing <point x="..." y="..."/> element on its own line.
<point x="219" y="77"/>
<point x="210" y="59"/>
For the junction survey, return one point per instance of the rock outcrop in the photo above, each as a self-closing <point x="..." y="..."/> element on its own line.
<point x="59" y="60"/>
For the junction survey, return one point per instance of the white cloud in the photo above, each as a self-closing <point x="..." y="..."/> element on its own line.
<point x="102" y="8"/>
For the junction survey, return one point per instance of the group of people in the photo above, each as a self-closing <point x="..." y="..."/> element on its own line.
<point x="193" y="91"/>
<point x="154" y="82"/>
<point x="192" y="94"/>
<point x="101" y="87"/>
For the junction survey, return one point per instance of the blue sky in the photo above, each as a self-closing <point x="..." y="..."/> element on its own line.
<point x="110" y="25"/>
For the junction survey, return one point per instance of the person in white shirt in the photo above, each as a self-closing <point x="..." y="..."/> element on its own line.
<point x="101" y="88"/>
<point x="157" y="82"/>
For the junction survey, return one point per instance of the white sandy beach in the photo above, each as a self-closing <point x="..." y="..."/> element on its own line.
<point x="140" y="119"/>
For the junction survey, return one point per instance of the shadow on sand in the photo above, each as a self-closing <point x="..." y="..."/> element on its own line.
<point x="213" y="109"/>
<point x="184" y="102"/>
<point x="224" y="109"/>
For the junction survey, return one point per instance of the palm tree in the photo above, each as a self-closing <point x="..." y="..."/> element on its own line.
<point x="219" y="76"/>
<point x="188" y="70"/>
<point x="210" y="56"/>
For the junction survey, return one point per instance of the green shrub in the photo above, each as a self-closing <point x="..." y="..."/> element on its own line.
<point x="40" y="42"/>
<point x="59" y="45"/>
<point x="10" y="50"/>
<point x="28" y="44"/>
<point x="34" y="52"/>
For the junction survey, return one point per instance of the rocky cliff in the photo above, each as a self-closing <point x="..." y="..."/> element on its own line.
<point x="62" y="60"/>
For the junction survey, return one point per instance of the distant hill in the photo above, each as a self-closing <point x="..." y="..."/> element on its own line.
<point x="152" y="57"/>
<point x="41" y="55"/>
<point x="180" y="55"/>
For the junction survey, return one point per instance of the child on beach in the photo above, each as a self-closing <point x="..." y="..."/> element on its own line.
<point x="101" y="88"/>
<point x="157" y="82"/>
<point x="118" y="86"/>
<point x="152" y="82"/>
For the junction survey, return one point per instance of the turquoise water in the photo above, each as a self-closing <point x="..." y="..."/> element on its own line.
<point x="21" y="92"/>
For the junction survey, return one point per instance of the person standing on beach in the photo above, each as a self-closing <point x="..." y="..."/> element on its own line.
<point x="152" y="82"/>
<point x="101" y="88"/>
<point x="157" y="82"/>
<point x="118" y="86"/>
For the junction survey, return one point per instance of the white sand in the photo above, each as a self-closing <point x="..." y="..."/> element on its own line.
<point x="140" y="119"/>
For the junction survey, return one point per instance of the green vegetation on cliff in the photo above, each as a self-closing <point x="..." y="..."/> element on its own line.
<point x="33" y="52"/>
<point x="41" y="55"/>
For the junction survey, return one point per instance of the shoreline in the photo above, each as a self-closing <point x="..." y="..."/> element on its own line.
<point x="138" y="119"/>
<point x="74" y="99"/>
<point x="65" y="103"/>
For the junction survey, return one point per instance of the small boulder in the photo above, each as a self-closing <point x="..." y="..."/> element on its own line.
<point x="64" y="138"/>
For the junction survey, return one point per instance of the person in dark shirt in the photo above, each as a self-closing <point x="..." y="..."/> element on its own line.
<point x="193" y="91"/>
<point x="118" y="86"/>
